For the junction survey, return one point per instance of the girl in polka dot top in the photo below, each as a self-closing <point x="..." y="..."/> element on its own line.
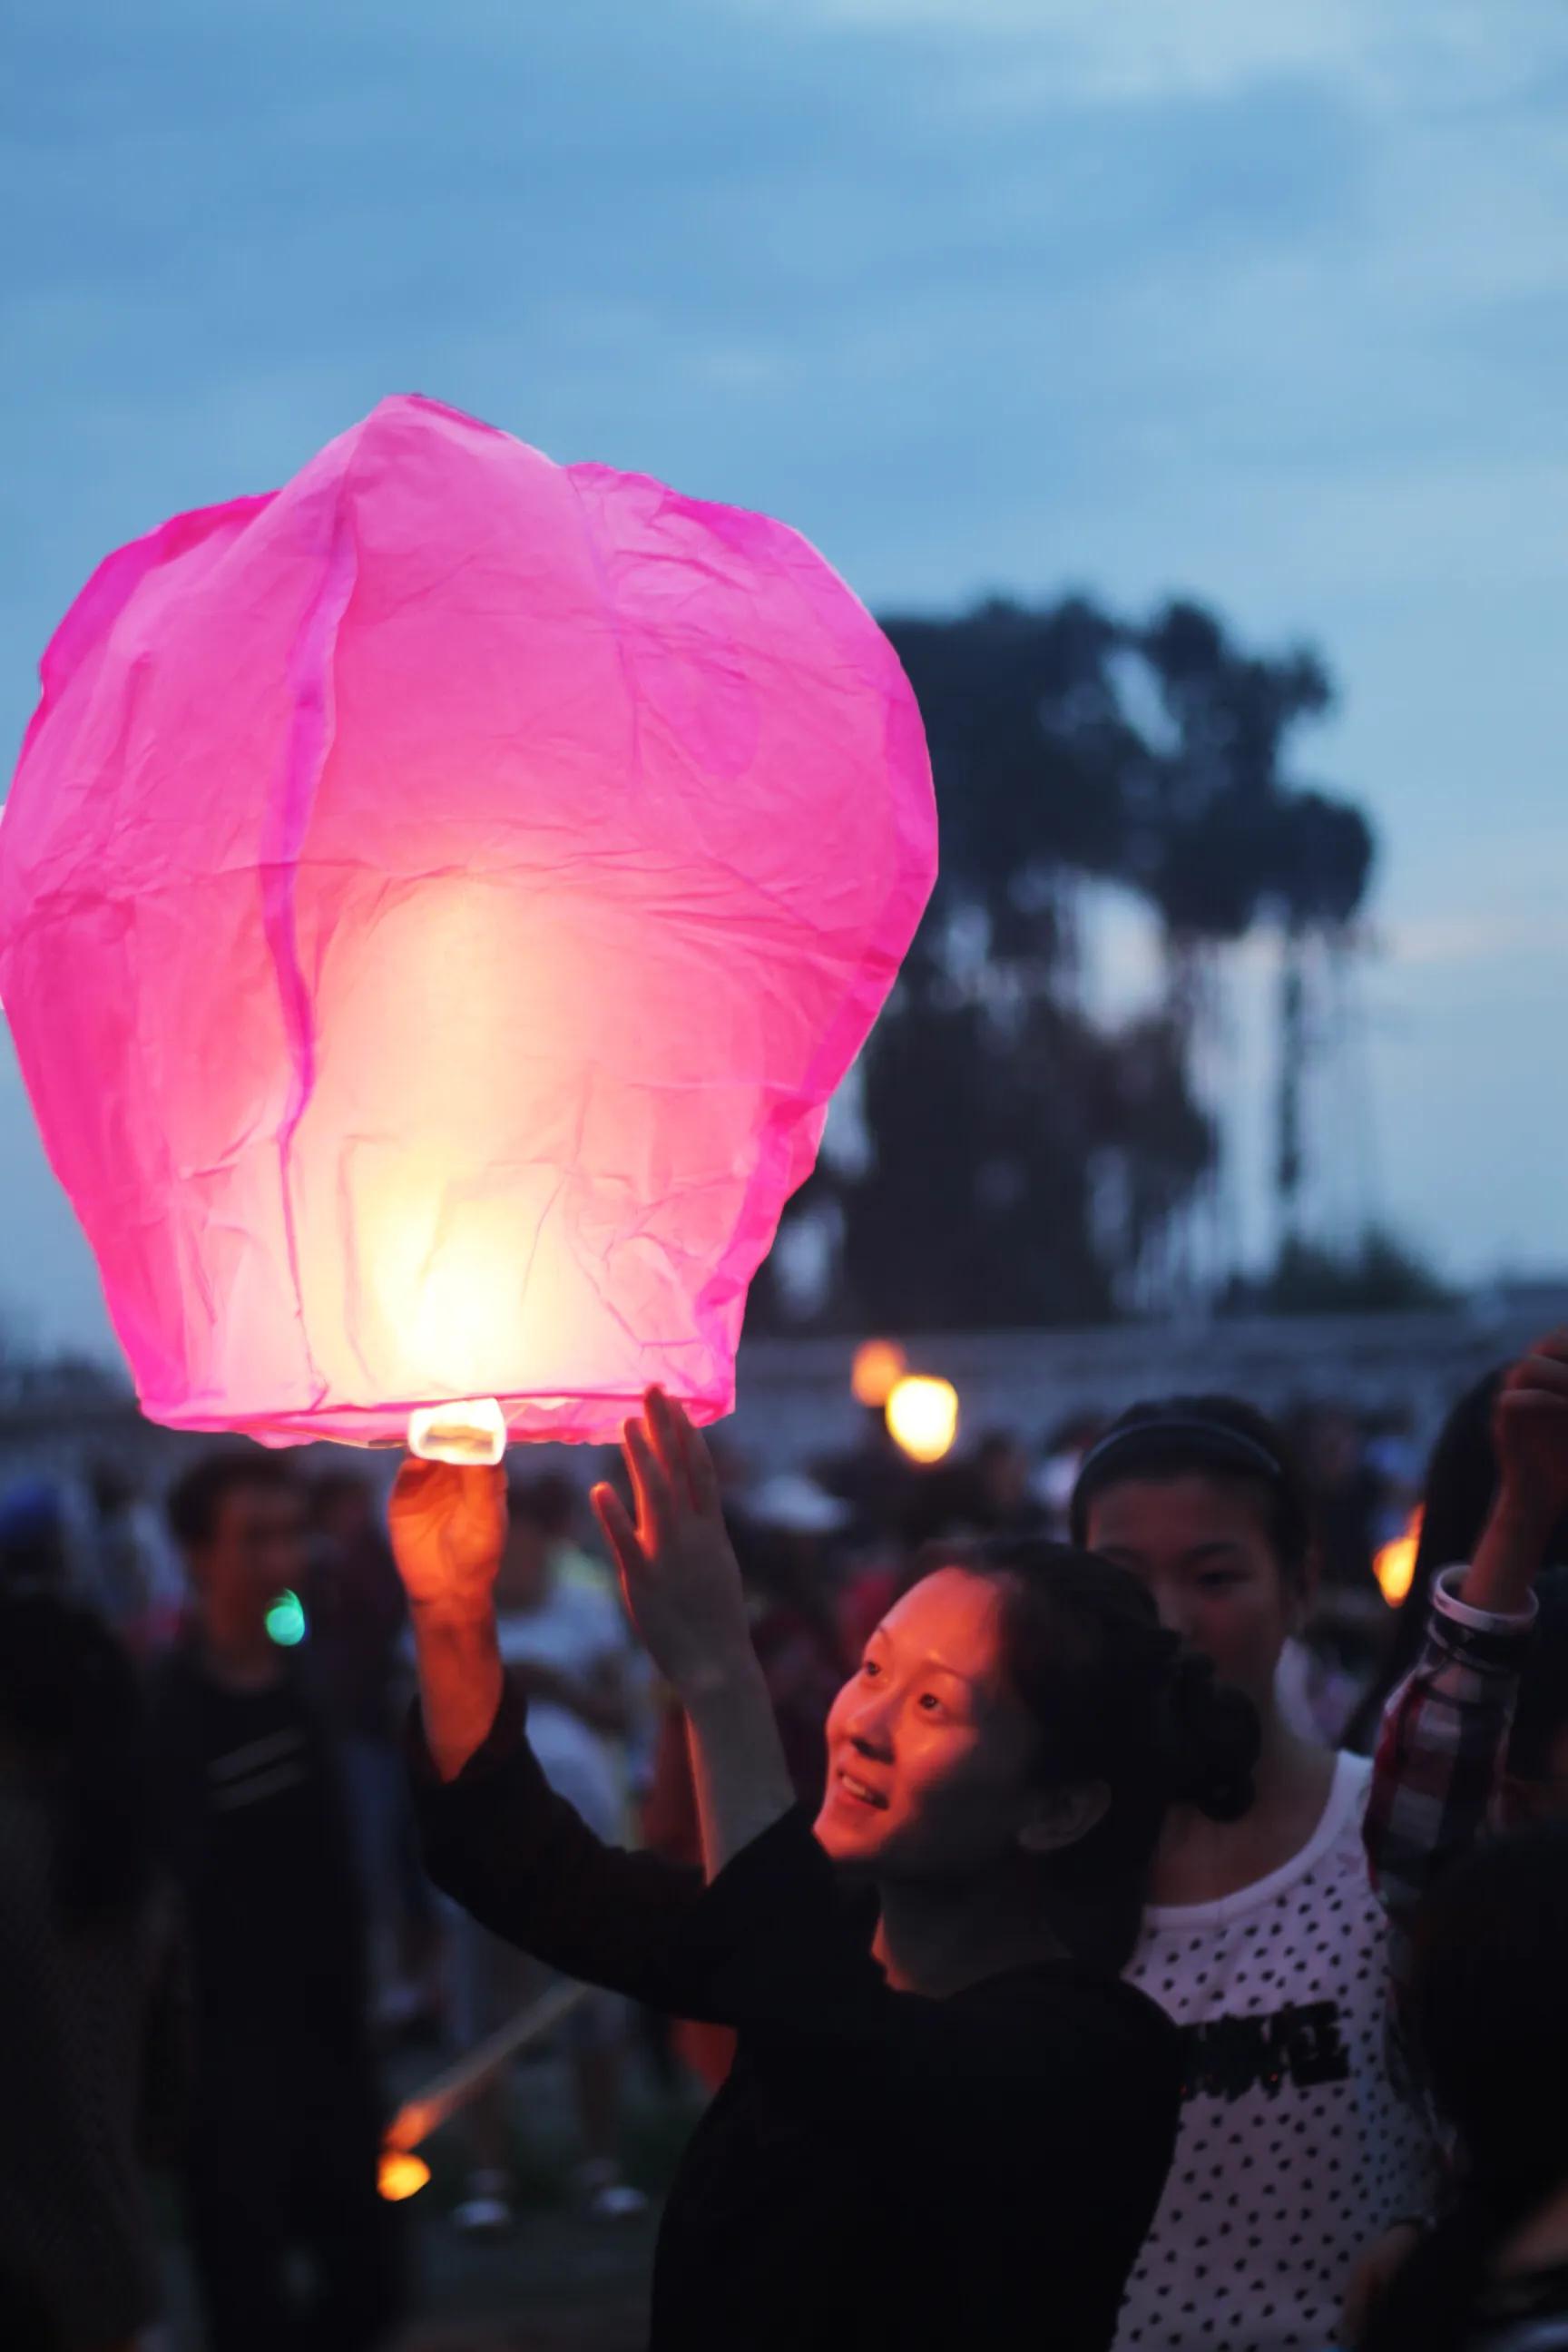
<point x="1264" y="1939"/>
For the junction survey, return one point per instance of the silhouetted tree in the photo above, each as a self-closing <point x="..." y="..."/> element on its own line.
<point x="1069" y="743"/>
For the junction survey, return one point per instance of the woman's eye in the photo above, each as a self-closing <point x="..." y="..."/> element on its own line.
<point x="1220" y="1581"/>
<point x="869" y="1667"/>
<point x="930" y="1702"/>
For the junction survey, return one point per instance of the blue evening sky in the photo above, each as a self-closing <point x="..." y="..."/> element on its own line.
<point x="1260" y="299"/>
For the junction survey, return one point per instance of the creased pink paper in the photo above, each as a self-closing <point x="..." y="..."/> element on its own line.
<point x="437" y="903"/>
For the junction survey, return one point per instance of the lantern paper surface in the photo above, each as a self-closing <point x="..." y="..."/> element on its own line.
<point x="438" y="900"/>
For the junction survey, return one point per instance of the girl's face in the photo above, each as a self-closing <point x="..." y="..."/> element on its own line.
<point x="929" y="1752"/>
<point x="1202" y="1546"/>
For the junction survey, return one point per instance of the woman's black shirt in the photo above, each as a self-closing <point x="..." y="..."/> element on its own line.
<point x="880" y="2170"/>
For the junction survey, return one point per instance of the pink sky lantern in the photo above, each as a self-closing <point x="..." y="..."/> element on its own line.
<point x="438" y="900"/>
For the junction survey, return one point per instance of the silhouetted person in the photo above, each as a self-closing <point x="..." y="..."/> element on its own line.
<point x="83" y="1983"/>
<point x="283" y="2150"/>
<point x="1490" y="2025"/>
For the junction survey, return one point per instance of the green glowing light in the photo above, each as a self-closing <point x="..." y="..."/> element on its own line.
<point x="286" y="1620"/>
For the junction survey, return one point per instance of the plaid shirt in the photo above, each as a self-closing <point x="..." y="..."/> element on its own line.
<point x="1438" y="1771"/>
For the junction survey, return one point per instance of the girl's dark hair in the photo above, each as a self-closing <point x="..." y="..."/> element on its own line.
<point x="1118" y="1699"/>
<point x="71" y="1703"/>
<point x="1167" y="1437"/>
<point x="1490" y="2027"/>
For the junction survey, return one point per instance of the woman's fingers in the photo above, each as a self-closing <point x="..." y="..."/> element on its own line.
<point x="620" y="1535"/>
<point x="655" y="1499"/>
<point x="666" y="1426"/>
<point x="701" y="1477"/>
<point x="687" y="1465"/>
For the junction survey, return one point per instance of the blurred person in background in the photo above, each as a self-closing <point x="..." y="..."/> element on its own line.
<point x="355" y="1612"/>
<point x="874" y="1476"/>
<point x="135" y="1574"/>
<point x="1349" y="1624"/>
<point x="565" y="1643"/>
<point x="1061" y="1458"/>
<point x="282" y="2153"/>
<point x="1490" y="2024"/>
<point x="1394" y="1461"/>
<point x="33" y="1540"/>
<point x="1447" y="1767"/>
<point x="1264" y="1938"/>
<point x="560" y="1508"/>
<point x="90" y="2057"/>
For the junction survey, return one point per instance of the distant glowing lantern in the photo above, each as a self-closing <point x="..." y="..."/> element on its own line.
<point x="922" y="1416"/>
<point x="877" y="1370"/>
<point x="438" y="900"/>
<point x="1393" y="1564"/>
<point x="401" y="2174"/>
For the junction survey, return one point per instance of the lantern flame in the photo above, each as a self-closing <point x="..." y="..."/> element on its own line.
<point x="923" y="1417"/>
<point x="1395" y="1563"/>
<point x="878" y="1369"/>
<point x="471" y="1432"/>
<point x="401" y="2174"/>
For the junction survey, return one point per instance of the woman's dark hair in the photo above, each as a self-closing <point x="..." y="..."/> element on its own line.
<point x="1118" y="1699"/>
<point x="70" y="1704"/>
<point x="1490" y="2023"/>
<point x="1168" y="1437"/>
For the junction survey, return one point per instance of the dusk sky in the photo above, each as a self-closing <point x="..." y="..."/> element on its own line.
<point x="1266" y="302"/>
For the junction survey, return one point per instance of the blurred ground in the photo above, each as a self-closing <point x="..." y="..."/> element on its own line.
<point x="558" y="2282"/>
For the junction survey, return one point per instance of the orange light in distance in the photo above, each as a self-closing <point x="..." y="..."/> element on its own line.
<point x="923" y="1417"/>
<point x="402" y="2174"/>
<point x="1395" y="1563"/>
<point x="878" y="1369"/>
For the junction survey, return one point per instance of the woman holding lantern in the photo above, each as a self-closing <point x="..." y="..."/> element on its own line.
<point x="948" y="2117"/>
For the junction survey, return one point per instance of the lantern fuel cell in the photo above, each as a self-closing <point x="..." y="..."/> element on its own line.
<point x="438" y="901"/>
<point x="473" y="1433"/>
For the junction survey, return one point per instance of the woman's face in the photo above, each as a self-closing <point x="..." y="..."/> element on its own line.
<point x="929" y="1752"/>
<point x="1202" y="1547"/>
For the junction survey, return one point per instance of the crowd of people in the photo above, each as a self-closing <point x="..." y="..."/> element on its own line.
<point x="1086" y="1909"/>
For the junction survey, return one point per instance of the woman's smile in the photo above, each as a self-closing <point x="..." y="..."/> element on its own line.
<point x="850" y="1787"/>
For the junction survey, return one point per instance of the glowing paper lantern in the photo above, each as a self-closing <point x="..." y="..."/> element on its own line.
<point x="400" y="2175"/>
<point x="1394" y="1563"/>
<point x="438" y="900"/>
<point x="923" y="1417"/>
<point x="877" y="1370"/>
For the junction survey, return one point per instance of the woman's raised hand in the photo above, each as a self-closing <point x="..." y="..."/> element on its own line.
<point x="678" y="1566"/>
<point x="448" y="1524"/>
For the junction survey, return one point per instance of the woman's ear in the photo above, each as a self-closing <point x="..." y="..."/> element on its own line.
<point x="1062" y="1816"/>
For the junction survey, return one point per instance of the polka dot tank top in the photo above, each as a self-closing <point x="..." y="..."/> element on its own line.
<point x="1295" y="2149"/>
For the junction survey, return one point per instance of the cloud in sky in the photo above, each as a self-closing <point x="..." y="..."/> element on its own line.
<point x="1266" y="301"/>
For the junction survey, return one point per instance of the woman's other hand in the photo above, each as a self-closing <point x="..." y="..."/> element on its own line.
<point x="677" y="1566"/>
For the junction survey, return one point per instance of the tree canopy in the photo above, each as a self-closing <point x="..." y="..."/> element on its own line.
<point x="999" y="1119"/>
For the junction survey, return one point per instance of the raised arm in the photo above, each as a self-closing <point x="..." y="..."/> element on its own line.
<point x="771" y="1941"/>
<point x="683" y="1589"/>
<point x="496" y="1836"/>
<point x="449" y="1525"/>
<point x="1443" y="1745"/>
